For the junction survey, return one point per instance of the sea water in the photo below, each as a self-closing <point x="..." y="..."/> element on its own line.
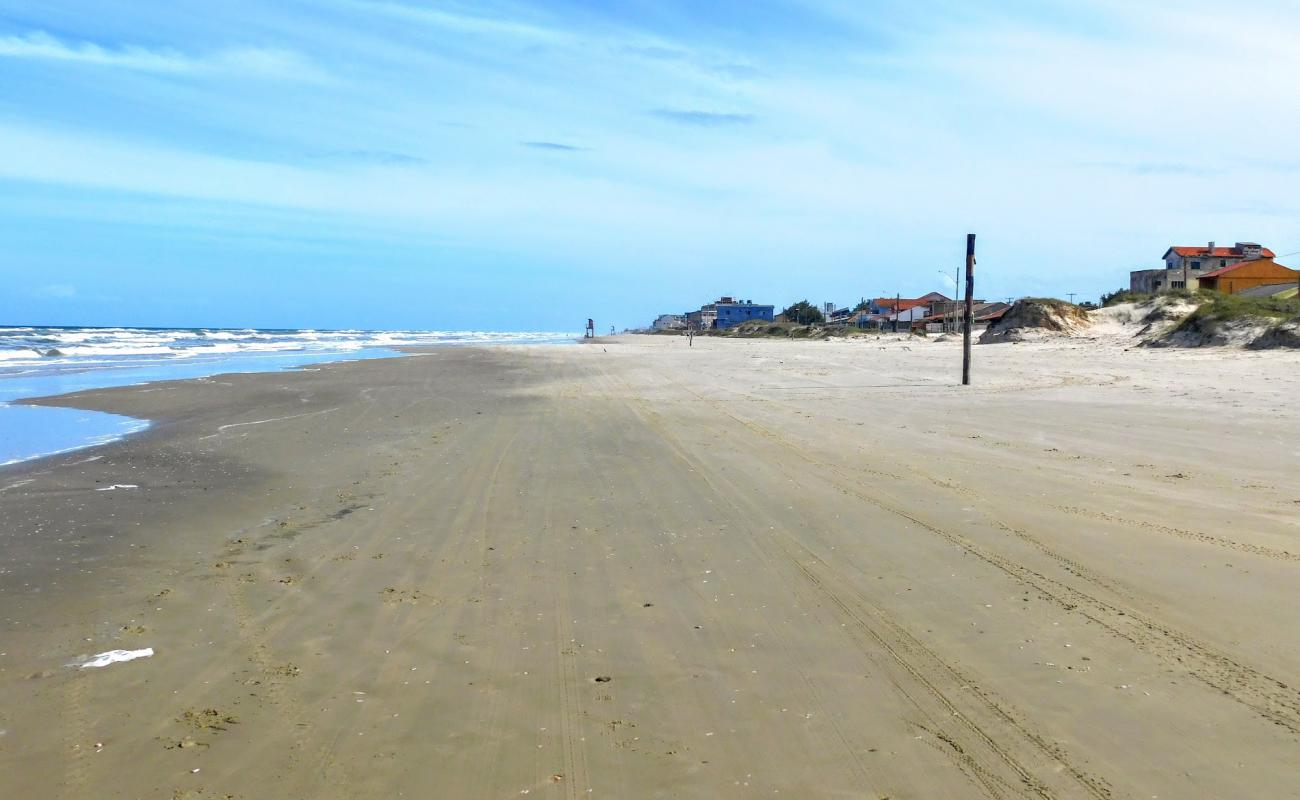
<point x="41" y="362"/>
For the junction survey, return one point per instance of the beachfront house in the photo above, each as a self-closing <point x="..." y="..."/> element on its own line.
<point x="902" y="320"/>
<point x="1185" y="266"/>
<point x="731" y="314"/>
<point x="669" y="322"/>
<point x="703" y="319"/>
<point x="883" y="311"/>
<point x="886" y="305"/>
<point x="950" y="317"/>
<point x="1250" y="275"/>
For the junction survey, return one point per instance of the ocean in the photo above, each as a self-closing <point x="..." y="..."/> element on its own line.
<point x="39" y="362"/>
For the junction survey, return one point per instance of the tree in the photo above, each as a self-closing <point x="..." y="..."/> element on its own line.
<point x="1119" y="296"/>
<point x="804" y="313"/>
<point x="862" y="305"/>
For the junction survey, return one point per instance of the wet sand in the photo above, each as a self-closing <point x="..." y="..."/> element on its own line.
<point x="634" y="569"/>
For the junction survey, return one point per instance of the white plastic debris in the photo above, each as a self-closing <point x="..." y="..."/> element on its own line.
<point x="113" y="657"/>
<point x="118" y="486"/>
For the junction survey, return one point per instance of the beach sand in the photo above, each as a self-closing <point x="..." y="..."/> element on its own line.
<point x="636" y="569"/>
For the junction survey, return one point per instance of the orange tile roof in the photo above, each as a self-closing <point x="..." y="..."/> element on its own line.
<point x="903" y="305"/>
<point x="1219" y="252"/>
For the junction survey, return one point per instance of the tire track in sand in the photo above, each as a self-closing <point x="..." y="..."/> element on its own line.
<point x="1269" y="697"/>
<point x="970" y="746"/>
<point x="1264" y="551"/>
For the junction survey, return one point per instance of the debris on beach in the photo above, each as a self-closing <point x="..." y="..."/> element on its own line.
<point x="208" y="719"/>
<point x="117" y="486"/>
<point x="112" y="657"/>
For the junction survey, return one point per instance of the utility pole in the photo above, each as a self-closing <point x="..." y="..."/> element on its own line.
<point x="970" y="306"/>
<point x="898" y="301"/>
<point x="1071" y="295"/>
<point x="956" y="290"/>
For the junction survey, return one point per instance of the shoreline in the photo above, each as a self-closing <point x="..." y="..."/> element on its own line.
<point x="793" y="568"/>
<point x="195" y="353"/>
<point x="138" y="425"/>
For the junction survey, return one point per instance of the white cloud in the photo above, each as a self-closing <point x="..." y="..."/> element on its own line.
<point x="58" y="291"/>
<point x="465" y="23"/>
<point x="1044" y="134"/>
<point x="250" y="61"/>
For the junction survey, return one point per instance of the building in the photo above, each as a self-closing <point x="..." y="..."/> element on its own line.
<point x="1281" y="291"/>
<point x="726" y="312"/>
<point x="702" y="319"/>
<point x="951" y="319"/>
<point x="669" y="322"/>
<point x="902" y="320"/>
<point x="729" y="315"/>
<point x="1249" y="275"/>
<point x="1184" y="266"/>
<point x="886" y="305"/>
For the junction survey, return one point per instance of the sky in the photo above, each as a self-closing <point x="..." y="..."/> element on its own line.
<point x="527" y="165"/>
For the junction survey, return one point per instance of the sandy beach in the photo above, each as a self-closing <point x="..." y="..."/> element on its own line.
<point x="637" y="569"/>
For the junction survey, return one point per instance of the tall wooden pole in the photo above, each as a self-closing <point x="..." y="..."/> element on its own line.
<point x="970" y="307"/>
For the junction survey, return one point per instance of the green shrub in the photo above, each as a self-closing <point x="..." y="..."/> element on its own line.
<point x="1225" y="307"/>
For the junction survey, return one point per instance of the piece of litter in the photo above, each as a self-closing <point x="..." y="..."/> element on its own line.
<point x="112" y="657"/>
<point x="117" y="486"/>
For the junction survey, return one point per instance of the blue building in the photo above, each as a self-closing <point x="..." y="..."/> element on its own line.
<point x="731" y="314"/>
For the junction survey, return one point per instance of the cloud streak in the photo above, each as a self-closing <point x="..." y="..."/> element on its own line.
<point x="247" y="61"/>
<point x="656" y="134"/>
<point x="385" y="157"/>
<point x="553" y="146"/>
<point x="463" y="23"/>
<point x="702" y="119"/>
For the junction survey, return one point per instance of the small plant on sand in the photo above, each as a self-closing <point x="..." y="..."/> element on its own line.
<point x="1227" y="307"/>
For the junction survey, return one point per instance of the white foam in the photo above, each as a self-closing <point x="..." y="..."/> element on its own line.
<point x="98" y="346"/>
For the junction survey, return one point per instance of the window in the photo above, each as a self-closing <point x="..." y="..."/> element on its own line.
<point x="1176" y="284"/>
<point x="1196" y="265"/>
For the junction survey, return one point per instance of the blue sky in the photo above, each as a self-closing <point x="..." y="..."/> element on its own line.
<point x="525" y="165"/>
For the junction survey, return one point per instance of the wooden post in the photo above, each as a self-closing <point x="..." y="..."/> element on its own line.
<point x="898" y="301"/>
<point x="970" y="306"/>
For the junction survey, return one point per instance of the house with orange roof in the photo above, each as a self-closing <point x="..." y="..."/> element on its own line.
<point x="1245" y="275"/>
<point x="1185" y="265"/>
